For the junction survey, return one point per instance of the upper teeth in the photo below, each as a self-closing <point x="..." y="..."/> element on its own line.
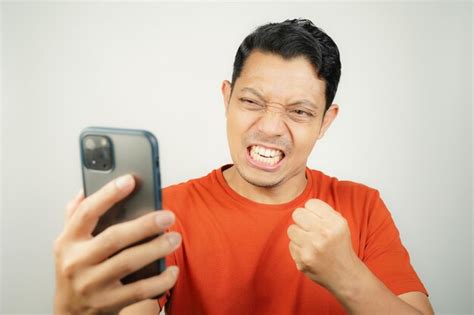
<point x="265" y="152"/>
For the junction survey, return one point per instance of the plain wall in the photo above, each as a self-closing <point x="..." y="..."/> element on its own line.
<point x="404" y="127"/>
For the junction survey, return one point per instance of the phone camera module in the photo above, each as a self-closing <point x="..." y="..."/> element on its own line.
<point x="97" y="152"/>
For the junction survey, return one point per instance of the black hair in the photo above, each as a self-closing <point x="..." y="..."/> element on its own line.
<point x="294" y="38"/>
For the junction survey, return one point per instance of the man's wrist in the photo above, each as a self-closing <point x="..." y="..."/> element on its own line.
<point x="354" y="285"/>
<point x="364" y="293"/>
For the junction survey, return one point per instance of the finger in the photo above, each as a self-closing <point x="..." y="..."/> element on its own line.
<point x="319" y="208"/>
<point x="119" y="236"/>
<point x="143" y="289"/>
<point x="305" y="219"/>
<point x="295" y="252"/>
<point x="90" y="209"/>
<point x="130" y="260"/>
<point x="72" y="205"/>
<point x="297" y="235"/>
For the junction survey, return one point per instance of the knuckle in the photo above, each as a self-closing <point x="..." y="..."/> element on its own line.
<point x="85" y="211"/>
<point x="306" y="257"/>
<point x="318" y="246"/>
<point x="83" y="289"/>
<point x="109" y="240"/>
<point x="98" y="304"/>
<point x="326" y="233"/>
<point x="141" y="291"/>
<point x="68" y="269"/>
<point x="125" y="267"/>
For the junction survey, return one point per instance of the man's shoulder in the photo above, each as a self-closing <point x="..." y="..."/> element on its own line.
<point x="321" y="177"/>
<point x="192" y="193"/>
<point x="356" y="201"/>
<point x="341" y="188"/>
<point x="185" y="186"/>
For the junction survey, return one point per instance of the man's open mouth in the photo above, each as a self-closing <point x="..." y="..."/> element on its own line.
<point x="268" y="156"/>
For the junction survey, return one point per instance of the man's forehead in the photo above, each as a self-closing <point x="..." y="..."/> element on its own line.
<point x="286" y="79"/>
<point x="259" y="61"/>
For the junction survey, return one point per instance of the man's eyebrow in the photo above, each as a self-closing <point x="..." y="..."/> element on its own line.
<point x="306" y="102"/>
<point x="253" y="91"/>
<point x="298" y="102"/>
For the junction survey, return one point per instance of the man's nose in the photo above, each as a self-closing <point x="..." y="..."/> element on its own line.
<point x="272" y="122"/>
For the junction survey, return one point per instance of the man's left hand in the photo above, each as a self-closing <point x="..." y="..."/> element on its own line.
<point x="320" y="245"/>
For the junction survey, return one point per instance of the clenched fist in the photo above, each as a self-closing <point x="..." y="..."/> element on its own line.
<point x="320" y="244"/>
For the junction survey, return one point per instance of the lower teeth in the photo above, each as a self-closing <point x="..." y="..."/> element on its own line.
<point x="266" y="160"/>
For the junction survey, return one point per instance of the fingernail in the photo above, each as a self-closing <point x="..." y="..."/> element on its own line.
<point x="164" y="218"/>
<point x="174" y="270"/>
<point x="174" y="238"/>
<point x="124" y="182"/>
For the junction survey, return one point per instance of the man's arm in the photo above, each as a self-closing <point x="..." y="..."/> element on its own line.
<point x="418" y="300"/>
<point x="320" y="244"/>
<point x="366" y="294"/>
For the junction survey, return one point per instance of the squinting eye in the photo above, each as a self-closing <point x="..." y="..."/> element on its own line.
<point x="247" y="101"/>
<point x="300" y="112"/>
<point x="251" y="105"/>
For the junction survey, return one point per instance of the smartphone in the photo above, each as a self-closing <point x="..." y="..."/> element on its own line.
<point x="108" y="153"/>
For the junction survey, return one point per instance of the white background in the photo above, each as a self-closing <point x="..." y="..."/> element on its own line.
<point x="405" y="124"/>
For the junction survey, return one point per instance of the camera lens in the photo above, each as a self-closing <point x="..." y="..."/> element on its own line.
<point x="89" y="143"/>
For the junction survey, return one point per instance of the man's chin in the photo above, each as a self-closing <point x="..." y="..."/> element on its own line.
<point x="262" y="181"/>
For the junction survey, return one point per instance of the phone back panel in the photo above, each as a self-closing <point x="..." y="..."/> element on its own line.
<point x="134" y="152"/>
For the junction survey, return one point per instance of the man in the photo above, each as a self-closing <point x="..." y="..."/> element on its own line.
<point x="265" y="235"/>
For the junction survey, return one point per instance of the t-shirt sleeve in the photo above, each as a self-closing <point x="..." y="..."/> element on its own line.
<point x="385" y="254"/>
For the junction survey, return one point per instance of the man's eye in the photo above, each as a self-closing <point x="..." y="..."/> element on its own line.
<point x="251" y="105"/>
<point x="247" y="101"/>
<point x="302" y="113"/>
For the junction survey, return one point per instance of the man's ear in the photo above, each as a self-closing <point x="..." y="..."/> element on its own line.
<point x="226" y="90"/>
<point x="329" y="117"/>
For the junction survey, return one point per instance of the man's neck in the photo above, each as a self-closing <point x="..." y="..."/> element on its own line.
<point x="289" y="189"/>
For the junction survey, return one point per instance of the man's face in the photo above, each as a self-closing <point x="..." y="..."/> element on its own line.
<point x="274" y="117"/>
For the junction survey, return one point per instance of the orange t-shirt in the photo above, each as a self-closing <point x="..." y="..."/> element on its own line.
<point x="234" y="257"/>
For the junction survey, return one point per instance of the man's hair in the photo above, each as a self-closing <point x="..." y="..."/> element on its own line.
<point x="295" y="38"/>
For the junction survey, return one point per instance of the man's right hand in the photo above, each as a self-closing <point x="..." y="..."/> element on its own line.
<point x="87" y="280"/>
